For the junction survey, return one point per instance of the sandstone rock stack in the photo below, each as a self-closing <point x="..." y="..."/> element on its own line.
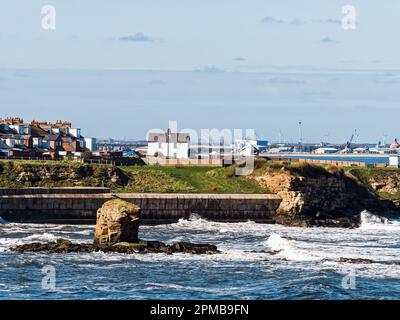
<point x="117" y="221"/>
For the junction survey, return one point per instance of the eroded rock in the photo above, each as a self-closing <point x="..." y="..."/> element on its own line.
<point x="117" y="221"/>
<point x="314" y="196"/>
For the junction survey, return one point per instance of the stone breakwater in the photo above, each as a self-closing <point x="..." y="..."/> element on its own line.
<point x="155" y="208"/>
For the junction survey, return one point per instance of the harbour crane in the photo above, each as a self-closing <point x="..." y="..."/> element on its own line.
<point x="350" y="141"/>
<point x="382" y="143"/>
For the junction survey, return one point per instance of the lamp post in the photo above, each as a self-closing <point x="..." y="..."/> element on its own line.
<point x="168" y="139"/>
<point x="300" y="137"/>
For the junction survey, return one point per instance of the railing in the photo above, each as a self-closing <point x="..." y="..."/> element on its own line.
<point x="99" y="161"/>
<point x="29" y="158"/>
<point x="331" y="162"/>
<point x="184" y="162"/>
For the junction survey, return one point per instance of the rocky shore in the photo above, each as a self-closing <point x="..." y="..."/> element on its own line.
<point x="321" y="196"/>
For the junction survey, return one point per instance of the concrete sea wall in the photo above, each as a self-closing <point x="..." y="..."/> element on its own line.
<point x="27" y="205"/>
<point x="72" y="190"/>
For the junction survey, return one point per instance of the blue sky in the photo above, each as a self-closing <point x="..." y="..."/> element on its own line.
<point x="251" y="64"/>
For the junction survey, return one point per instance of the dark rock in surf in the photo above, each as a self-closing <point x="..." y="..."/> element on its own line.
<point x="66" y="246"/>
<point x="356" y="260"/>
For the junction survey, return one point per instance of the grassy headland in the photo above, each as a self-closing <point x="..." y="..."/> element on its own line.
<point x="385" y="182"/>
<point x="18" y="174"/>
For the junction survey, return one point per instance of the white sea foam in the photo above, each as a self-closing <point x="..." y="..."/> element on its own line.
<point x="196" y="222"/>
<point x="319" y="249"/>
<point x="287" y="249"/>
<point x="43" y="237"/>
<point x="6" y="243"/>
<point x="370" y="221"/>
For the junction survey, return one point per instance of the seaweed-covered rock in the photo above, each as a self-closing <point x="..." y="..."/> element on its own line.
<point x="66" y="246"/>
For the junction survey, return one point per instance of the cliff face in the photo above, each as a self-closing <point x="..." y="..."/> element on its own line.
<point x="312" y="195"/>
<point x="385" y="182"/>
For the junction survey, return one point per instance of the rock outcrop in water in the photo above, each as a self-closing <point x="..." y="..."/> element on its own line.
<point x="117" y="221"/>
<point x="117" y="230"/>
<point x="66" y="246"/>
<point x="314" y="196"/>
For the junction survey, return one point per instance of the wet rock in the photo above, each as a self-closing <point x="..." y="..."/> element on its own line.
<point x="63" y="241"/>
<point x="275" y="252"/>
<point x="356" y="260"/>
<point x="187" y="247"/>
<point x="117" y="221"/>
<point x="66" y="246"/>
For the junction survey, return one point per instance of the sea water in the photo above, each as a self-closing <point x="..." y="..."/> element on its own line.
<point x="257" y="261"/>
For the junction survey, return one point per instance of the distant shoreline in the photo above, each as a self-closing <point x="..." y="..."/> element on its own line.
<point x="369" y="159"/>
<point x="334" y="155"/>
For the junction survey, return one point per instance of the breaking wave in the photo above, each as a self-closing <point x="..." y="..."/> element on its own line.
<point x="44" y="237"/>
<point x="254" y="258"/>
<point x="371" y="221"/>
<point x="288" y="250"/>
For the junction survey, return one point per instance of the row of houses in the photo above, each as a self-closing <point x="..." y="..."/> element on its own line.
<point x="42" y="139"/>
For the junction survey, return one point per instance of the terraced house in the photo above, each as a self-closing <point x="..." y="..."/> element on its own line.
<point x="41" y="139"/>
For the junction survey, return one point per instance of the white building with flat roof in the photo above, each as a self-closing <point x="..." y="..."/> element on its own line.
<point x="325" y="150"/>
<point x="168" y="145"/>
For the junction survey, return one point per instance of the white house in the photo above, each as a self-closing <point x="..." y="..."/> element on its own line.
<point x="168" y="145"/>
